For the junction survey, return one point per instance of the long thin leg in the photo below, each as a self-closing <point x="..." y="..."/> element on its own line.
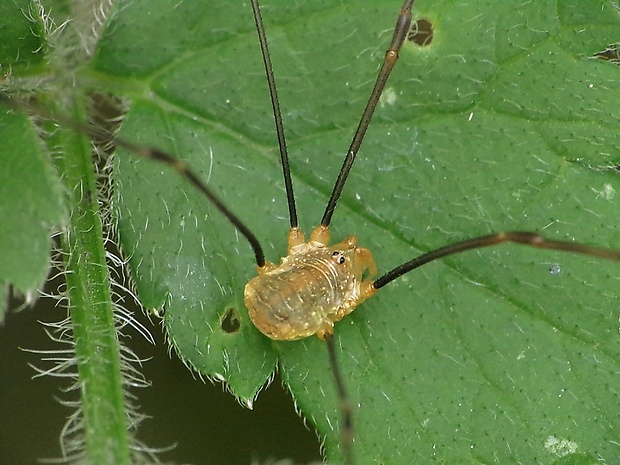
<point x="346" y="425"/>
<point x="187" y="173"/>
<point x="400" y="34"/>
<point x="153" y="154"/>
<point x="517" y="237"/>
<point x="277" y="116"/>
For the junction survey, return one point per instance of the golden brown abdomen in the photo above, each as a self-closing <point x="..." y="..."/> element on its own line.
<point x="299" y="297"/>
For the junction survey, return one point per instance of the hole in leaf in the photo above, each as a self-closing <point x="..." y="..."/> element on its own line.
<point x="611" y="53"/>
<point x="230" y="321"/>
<point x="421" y="32"/>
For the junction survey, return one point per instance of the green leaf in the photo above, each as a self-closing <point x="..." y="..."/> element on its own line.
<point x="31" y="204"/>
<point x="23" y="45"/>
<point x="506" y="121"/>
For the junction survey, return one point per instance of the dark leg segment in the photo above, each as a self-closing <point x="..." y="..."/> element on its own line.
<point x="517" y="237"/>
<point x="346" y="425"/>
<point x="400" y="34"/>
<point x="153" y="154"/>
<point x="277" y="116"/>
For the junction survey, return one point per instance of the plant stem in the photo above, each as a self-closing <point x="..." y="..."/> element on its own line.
<point x="91" y="309"/>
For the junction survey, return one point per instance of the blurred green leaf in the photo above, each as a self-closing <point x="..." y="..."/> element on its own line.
<point x="23" y="44"/>
<point x="31" y="204"/>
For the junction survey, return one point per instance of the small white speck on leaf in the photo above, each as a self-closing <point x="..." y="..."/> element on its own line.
<point x="388" y="97"/>
<point x="560" y="446"/>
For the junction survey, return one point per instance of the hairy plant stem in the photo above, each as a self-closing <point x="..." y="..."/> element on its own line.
<point x="88" y="287"/>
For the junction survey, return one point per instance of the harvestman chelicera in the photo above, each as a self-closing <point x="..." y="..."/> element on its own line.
<point x="317" y="284"/>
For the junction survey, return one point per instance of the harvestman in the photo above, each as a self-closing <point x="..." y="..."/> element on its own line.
<point x="318" y="284"/>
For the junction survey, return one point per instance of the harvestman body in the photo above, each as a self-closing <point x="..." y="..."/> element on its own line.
<point x="315" y="286"/>
<point x="318" y="284"/>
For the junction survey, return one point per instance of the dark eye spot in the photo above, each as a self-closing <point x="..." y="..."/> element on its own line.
<point x="338" y="257"/>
